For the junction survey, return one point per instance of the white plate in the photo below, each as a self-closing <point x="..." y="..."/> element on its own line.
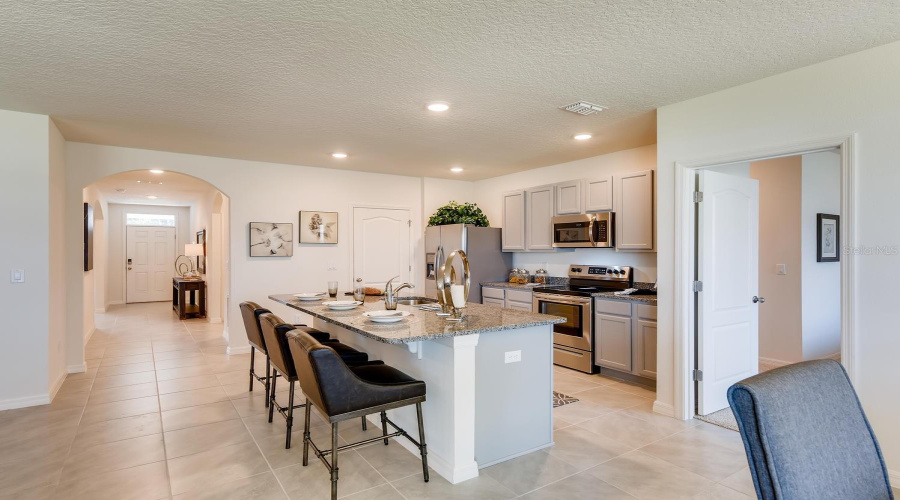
<point x="310" y="296"/>
<point x="341" y="305"/>
<point x="386" y="316"/>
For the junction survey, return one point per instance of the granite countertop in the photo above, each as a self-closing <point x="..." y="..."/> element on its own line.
<point x="642" y="299"/>
<point x="420" y="325"/>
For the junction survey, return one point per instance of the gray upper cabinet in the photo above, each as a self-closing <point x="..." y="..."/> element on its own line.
<point x="598" y="194"/>
<point x="539" y="210"/>
<point x="513" y="232"/>
<point x="569" y="198"/>
<point x="634" y="210"/>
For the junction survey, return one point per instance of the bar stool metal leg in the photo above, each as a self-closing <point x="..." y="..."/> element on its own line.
<point x="268" y="377"/>
<point x="334" y="460"/>
<point x="290" y="417"/>
<point x="306" y="434"/>
<point x="422" y="448"/>
<point x="252" y="363"/>
<point x="384" y="426"/>
<point x="272" y="400"/>
<point x="364" y="426"/>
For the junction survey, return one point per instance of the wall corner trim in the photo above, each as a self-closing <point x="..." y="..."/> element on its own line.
<point x="57" y="385"/>
<point x="87" y="337"/>
<point x="77" y="368"/>
<point x="664" y="409"/>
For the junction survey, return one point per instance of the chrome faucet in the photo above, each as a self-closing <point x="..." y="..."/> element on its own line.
<point x="390" y="293"/>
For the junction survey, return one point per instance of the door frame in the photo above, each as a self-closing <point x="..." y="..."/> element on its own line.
<point x="413" y="240"/>
<point x="685" y="259"/>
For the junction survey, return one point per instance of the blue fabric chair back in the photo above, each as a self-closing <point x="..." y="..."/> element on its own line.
<point x="806" y="435"/>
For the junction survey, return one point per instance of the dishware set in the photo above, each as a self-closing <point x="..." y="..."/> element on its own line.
<point x="382" y="317"/>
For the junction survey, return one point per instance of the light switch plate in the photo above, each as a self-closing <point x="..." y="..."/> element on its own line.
<point x="512" y="356"/>
<point x="781" y="269"/>
<point x="332" y="266"/>
<point x="17" y="276"/>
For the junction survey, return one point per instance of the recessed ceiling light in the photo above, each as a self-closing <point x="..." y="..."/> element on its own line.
<point x="438" y="106"/>
<point x="339" y="155"/>
<point x="456" y="169"/>
<point x="582" y="137"/>
<point x="150" y="196"/>
<point x="139" y="182"/>
<point x="156" y="171"/>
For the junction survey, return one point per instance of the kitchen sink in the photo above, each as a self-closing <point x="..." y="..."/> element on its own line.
<point x="416" y="301"/>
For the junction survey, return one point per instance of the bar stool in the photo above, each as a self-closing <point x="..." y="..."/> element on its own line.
<point x="275" y="334"/>
<point x="341" y="392"/>
<point x="250" y="311"/>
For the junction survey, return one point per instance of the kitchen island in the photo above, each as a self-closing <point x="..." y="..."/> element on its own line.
<point x="489" y="378"/>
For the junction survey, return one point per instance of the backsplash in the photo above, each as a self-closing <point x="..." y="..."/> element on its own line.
<point x="557" y="263"/>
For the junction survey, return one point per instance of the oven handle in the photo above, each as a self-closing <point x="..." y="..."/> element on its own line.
<point x="562" y="300"/>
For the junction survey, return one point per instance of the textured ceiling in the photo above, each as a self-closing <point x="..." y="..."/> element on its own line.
<point x="176" y="189"/>
<point x="293" y="82"/>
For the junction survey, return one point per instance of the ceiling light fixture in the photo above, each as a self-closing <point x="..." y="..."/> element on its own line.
<point x="582" y="137"/>
<point x="438" y="106"/>
<point x="339" y="155"/>
<point x="156" y="171"/>
<point x="139" y="182"/>
<point x="456" y="169"/>
<point x="150" y="196"/>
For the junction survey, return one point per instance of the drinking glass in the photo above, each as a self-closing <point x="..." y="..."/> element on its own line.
<point x="332" y="289"/>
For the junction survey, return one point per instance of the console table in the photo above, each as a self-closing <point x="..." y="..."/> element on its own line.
<point x="192" y="306"/>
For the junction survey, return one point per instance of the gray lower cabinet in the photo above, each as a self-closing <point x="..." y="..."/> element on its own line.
<point x="625" y="337"/>
<point x="507" y="298"/>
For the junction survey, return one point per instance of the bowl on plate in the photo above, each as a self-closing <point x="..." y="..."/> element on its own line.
<point x="341" y="305"/>
<point x="386" y="316"/>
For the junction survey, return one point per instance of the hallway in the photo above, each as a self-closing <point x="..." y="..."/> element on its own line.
<point x="164" y="412"/>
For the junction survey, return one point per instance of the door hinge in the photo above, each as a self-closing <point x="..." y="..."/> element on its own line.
<point x="698" y="196"/>
<point x="409" y="223"/>
<point x="698" y="375"/>
<point x="697" y="286"/>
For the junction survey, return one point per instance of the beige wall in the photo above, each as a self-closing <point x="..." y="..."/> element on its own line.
<point x="780" y="318"/>
<point x="57" y="249"/>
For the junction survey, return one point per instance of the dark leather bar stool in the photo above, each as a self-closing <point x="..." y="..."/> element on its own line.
<point x="275" y="334"/>
<point x="250" y="311"/>
<point x="342" y="392"/>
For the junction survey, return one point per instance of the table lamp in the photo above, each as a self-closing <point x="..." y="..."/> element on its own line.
<point x="193" y="250"/>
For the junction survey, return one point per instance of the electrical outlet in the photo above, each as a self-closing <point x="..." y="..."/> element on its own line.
<point x="298" y="319"/>
<point x="512" y="356"/>
<point x="17" y="276"/>
<point x="332" y="266"/>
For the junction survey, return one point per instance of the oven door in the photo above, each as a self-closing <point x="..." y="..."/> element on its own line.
<point x="576" y="330"/>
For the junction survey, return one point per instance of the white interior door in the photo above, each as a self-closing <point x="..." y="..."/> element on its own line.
<point x="728" y="262"/>
<point x="381" y="245"/>
<point x="149" y="263"/>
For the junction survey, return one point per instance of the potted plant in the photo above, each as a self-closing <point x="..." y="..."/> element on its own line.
<point x="456" y="213"/>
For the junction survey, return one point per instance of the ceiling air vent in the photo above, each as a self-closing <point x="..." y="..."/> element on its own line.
<point x="583" y="108"/>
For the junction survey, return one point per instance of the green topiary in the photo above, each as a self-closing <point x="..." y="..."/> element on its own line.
<point x="454" y="213"/>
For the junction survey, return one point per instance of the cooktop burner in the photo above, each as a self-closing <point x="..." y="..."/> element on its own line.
<point x="585" y="280"/>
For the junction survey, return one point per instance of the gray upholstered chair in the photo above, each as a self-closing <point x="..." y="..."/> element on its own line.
<point x="806" y="435"/>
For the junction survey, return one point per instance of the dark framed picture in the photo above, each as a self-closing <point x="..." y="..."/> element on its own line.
<point x="828" y="238"/>
<point x="271" y="239"/>
<point x="201" y="260"/>
<point x="88" y="237"/>
<point x="318" y="227"/>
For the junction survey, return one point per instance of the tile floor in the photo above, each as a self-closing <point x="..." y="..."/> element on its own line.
<point x="164" y="412"/>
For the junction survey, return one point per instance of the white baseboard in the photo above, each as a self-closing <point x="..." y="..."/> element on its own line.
<point x="77" y="368"/>
<point x="778" y="363"/>
<point x="13" y="403"/>
<point x="116" y="303"/>
<point x="664" y="409"/>
<point x="835" y="356"/>
<point x="100" y="310"/>
<point x="90" y="334"/>
<point x="238" y="350"/>
<point x="57" y="385"/>
<point x="215" y="320"/>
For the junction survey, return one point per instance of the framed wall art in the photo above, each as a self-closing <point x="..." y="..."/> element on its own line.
<point x="828" y="238"/>
<point x="318" y="227"/>
<point x="201" y="260"/>
<point x="271" y="239"/>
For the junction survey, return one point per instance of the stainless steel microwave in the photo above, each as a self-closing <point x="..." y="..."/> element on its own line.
<point x="584" y="230"/>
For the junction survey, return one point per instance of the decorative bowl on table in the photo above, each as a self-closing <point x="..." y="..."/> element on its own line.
<point x="341" y="305"/>
<point x="385" y="316"/>
<point x="310" y="296"/>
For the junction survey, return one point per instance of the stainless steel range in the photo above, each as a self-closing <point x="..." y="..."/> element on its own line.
<point x="573" y="340"/>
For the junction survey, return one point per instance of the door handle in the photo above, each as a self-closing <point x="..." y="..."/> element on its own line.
<point x="758" y="299"/>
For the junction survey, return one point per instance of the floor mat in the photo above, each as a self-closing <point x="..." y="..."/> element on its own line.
<point x="722" y="418"/>
<point x="560" y="399"/>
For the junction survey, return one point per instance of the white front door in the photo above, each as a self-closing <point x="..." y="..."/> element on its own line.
<point x="381" y="245"/>
<point x="728" y="263"/>
<point x="149" y="263"/>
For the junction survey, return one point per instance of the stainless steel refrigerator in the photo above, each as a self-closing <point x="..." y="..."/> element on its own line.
<point x="482" y="246"/>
